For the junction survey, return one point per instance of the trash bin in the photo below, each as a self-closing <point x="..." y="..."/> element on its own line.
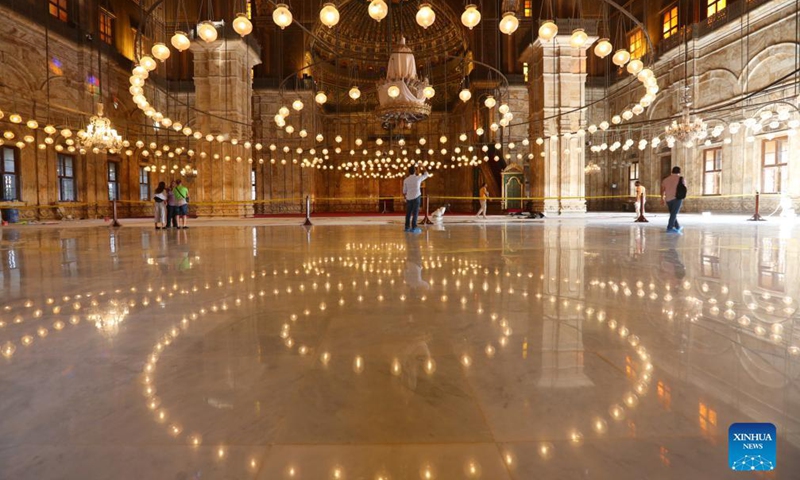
<point x="10" y="215"/>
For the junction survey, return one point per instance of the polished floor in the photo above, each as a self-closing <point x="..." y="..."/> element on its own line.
<point x="582" y="348"/>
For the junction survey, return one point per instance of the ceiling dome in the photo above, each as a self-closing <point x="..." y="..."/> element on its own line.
<point x="359" y="47"/>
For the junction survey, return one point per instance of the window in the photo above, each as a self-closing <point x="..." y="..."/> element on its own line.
<point x="715" y="6"/>
<point x="525" y="70"/>
<point x="670" y="22"/>
<point x="636" y="42"/>
<point x="775" y="168"/>
<point x="65" y="168"/>
<point x="105" y="27"/>
<point x="249" y="8"/>
<point x="58" y="9"/>
<point x="253" y="183"/>
<point x="633" y="177"/>
<point x="712" y="171"/>
<point x="527" y="8"/>
<point x="113" y="180"/>
<point x="144" y="184"/>
<point x="10" y="170"/>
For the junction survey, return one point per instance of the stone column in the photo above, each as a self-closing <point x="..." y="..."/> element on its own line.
<point x="559" y="86"/>
<point x="224" y="90"/>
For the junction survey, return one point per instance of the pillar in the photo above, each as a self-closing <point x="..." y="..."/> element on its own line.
<point x="224" y="89"/>
<point x="559" y="86"/>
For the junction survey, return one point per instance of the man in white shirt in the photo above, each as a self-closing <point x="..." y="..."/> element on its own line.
<point x="412" y="192"/>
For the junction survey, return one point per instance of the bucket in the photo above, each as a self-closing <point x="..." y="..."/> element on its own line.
<point x="10" y="215"/>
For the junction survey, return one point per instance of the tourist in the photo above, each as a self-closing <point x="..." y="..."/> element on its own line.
<point x="160" y="206"/>
<point x="181" y="194"/>
<point x="673" y="191"/>
<point x="172" y="218"/>
<point x="484" y="195"/>
<point x="412" y="192"/>
<point x="641" y="198"/>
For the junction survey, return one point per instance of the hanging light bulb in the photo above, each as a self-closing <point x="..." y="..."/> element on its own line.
<point x="242" y="25"/>
<point x="429" y="92"/>
<point x="578" y="38"/>
<point x="140" y="71"/>
<point x="547" y="31"/>
<point x="635" y="66"/>
<point x="329" y="15"/>
<point x="504" y="109"/>
<point x="354" y="93"/>
<point x="393" y="91"/>
<point x="621" y="57"/>
<point x="509" y="23"/>
<point x="471" y="16"/>
<point x="465" y="95"/>
<point x="378" y="10"/>
<point x="425" y="15"/>
<point x="490" y="102"/>
<point x="207" y="31"/>
<point x="297" y="105"/>
<point x="180" y="41"/>
<point x="160" y="51"/>
<point x="321" y="98"/>
<point x="147" y="63"/>
<point x="603" y="48"/>
<point x="479" y="131"/>
<point x="282" y="16"/>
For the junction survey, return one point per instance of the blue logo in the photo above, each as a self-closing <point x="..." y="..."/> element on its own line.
<point x="752" y="446"/>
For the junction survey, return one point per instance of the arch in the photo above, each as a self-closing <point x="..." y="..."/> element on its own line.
<point x="716" y="86"/>
<point x="767" y="65"/>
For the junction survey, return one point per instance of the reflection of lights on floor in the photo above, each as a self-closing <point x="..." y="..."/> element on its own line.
<point x="598" y="424"/>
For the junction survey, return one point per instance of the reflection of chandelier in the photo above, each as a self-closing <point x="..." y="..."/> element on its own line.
<point x="99" y="133"/>
<point x="687" y="131"/>
<point x="591" y="168"/>
<point x="108" y="321"/>
<point x="402" y="94"/>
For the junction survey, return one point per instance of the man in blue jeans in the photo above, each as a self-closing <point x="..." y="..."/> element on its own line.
<point x="412" y="192"/>
<point x="669" y="194"/>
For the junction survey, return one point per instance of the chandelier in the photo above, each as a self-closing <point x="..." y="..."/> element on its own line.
<point x="99" y="134"/>
<point x="687" y="131"/>
<point x="402" y="94"/>
<point x="188" y="172"/>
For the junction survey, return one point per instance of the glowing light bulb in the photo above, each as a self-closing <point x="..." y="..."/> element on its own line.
<point x="603" y="48"/>
<point x="207" y="31"/>
<point x="282" y="16"/>
<point x="465" y="95"/>
<point x="547" y="31"/>
<point x="509" y="23"/>
<point x="425" y="15"/>
<point x="471" y="16"/>
<point x="242" y="25"/>
<point x="378" y="10"/>
<point x="180" y="41"/>
<point x="329" y="15"/>
<point x="621" y="57"/>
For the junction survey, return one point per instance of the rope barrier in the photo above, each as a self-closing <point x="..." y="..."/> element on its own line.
<point x="301" y="200"/>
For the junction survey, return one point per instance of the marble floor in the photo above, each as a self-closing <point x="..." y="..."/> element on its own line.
<point x="577" y="348"/>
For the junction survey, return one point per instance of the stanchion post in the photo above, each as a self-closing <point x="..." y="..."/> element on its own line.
<point x="426" y="220"/>
<point x="115" y="223"/>
<point x="308" y="212"/>
<point x="384" y="206"/>
<point x="756" y="216"/>
<point x="641" y="218"/>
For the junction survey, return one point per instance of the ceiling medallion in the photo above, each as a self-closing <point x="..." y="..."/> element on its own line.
<point x="402" y="94"/>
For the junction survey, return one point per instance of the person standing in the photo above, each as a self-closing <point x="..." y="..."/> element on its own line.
<point x="160" y="206"/>
<point x="484" y="196"/>
<point x="412" y="192"/>
<point x="181" y="194"/>
<point x="172" y="218"/>
<point x="673" y="192"/>
<point x="641" y="197"/>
